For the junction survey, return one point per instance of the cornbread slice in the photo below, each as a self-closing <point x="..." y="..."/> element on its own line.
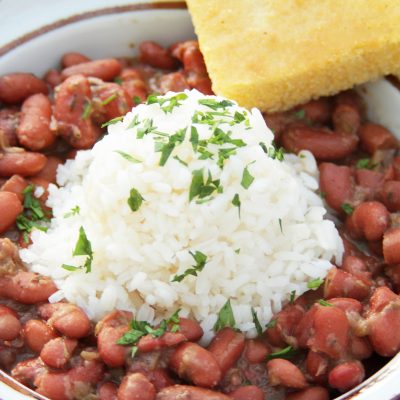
<point x="274" y="54"/>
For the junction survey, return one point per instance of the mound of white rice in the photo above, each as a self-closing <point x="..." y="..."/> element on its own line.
<point x="257" y="254"/>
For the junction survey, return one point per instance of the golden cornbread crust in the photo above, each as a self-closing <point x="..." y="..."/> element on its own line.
<point x="274" y="54"/>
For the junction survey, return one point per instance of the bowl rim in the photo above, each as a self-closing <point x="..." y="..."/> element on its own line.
<point x="142" y="5"/>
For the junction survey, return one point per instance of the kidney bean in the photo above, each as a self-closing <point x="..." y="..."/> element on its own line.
<point x="336" y="183"/>
<point x="106" y="69"/>
<point x="317" y="366"/>
<point x="9" y="120"/>
<point x="34" y="131"/>
<point x="318" y="111"/>
<point x="331" y="332"/>
<point x="194" y="363"/>
<point x="52" y="77"/>
<point x="351" y="98"/>
<point x="73" y="58"/>
<point x="369" y="220"/>
<point x="57" y="352"/>
<point x="360" y="348"/>
<point x="10" y="208"/>
<point x="136" y="386"/>
<point x="347" y="304"/>
<point x="312" y="393"/>
<point x="356" y="266"/>
<point x="169" y="339"/>
<point x="393" y="272"/>
<point x="390" y="195"/>
<point x="54" y="385"/>
<point x="191" y="329"/>
<point x="380" y="298"/>
<point x="49" y="171"/>
<point x="323" y="143"/>
<point x="24" y="163"/>
<point x="71" y="101"/>
<point x="255" y="351"/>
<point x="86" y="371"/>
<point x="340" y="283"/>
<point x="28" y="370"/>
<point x="304" y="328"/>
<point x="10" y="263"/>
<point x="37" y="333"/>
<point x="160" y="378"/>
<point x="346" y="118"/>
<point x="190" y="393"/>
<point x="10" y="327"/>
<point x="375" y="137"/>
<point x="112" y="354"/>
<point x="136" y="88"/>
<point x="120" y="102"/>
<point x="16" y="87"/>
<point x="29" y="288"/>
<point x="16" y="184"/>
<point x="247" y="393"/>
<point x="283" y="372"/>
<point x="107" y="391"/>
<point x="227" y="346"/>
<point x="174" y="82"/>
<point x="391" y="246"/>
<point x="371" y="181"/>
<point x="189" y="53"/>
<point x="8" y="357"/>
<point x="202" y="83"/>
<point x="346" y="376"/>
<point x="153" y="54"/>
<point x="69" y="319"/>
<point x="114" y="319"/>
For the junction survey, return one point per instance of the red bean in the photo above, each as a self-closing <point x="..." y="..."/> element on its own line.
<point x="16" y="87"/>
<point x="153" y="54"/>
<point x="202" y="83"/>
<point x="160" y="378"/>
<point x="369" y="220"/>
<point x="312" y="393"/>
<point x="150" y="343"/>
<point x="318" y="111"/>
<point x="86" y="371"/>
<point x="24" y="163"/>
<point x="71" y="102"/>
<point x="191" y="329"/>
<point x="336" y="184"/>
<point x="380" y="298"/>
<point x="283" y="372"/>
<point x="331" y="332"/>
<point x="10" y="208"/>
<point x="247" y="393"/>
<point x="16" y="184"/>
<point x="106" y="69"/>
<point x="391" y="246"/>
<point x="37" y="334"/>
<point x="346" y="376"/>
<point x="174" y="82"/>
<point x="107" y="391"/>
<point x="112" y="354"/>
<point x="353" y="99"/>
<point x="360" y="348"/>
<point x="54" y="385"/>
<point x="189" y="53"/>
<point x="57" y="352"/>
<point x="190" y="393"/>
<point x="194" y="363"/>
<point x="255" y="351"/>
<point x="356" y="266"/>
<point x="347" y="304"/>
<point x="136" y="88"/>
<point x="340" y="283"/>
<point x="370" y="181"/>
<point x="136" y="386"/>
<point x="49" y="171"/>
<point x="227" y="346"/>
<point x="323" y="143"/>
<point x="317" y="366"/>
<point x="28" y="370"/>
<point x="69" y="59"/>
<point x="10" y="327"/>
<point x="375" y="137"/>
<point x="9" y="120"/>
<point x="346" y="118"/>
<point x="304" y="327"/>
<point x="34" y="131"/>
<point x="390" y="195"/>
<point x="53" y="77"/>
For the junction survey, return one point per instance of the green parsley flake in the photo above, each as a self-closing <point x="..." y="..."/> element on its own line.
<point x="315" y="283"/>
<point x="286" y="353"/>
<point x="167" y="104"/>
<point x="215" y="104"/>
<point x="236" y="202"/>
<point x="271" y="324"/>
<point x="200" y="259"/>
<point x="300" y="114"/>
<point x="135" y="200"/>
<point x="325" y="303"/>
<point x="87" y="109"/>
<point x="109" y="99"/>
<point x="247" y="178"/>
<point x="200" y="188"/>
<point x="292" y="296"/>
<point x="113" y="121"/>
<point x="256" y="321"/>
<point x="136" y="100"/>
<point x="167" y="148"/>
<point x="280" y="225"/>
<point x="74" y="211"/>
<point x="347" y="208"/>
<point x="128" y="157"/>
<point x="364" y="163"/>
<point x="225" y="317"/>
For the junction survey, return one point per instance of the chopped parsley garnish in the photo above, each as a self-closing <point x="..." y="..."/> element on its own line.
<point x="300" y="114"/>
<point x="87" y="109"/>
<point x="364" y="163"/>
<point x="286" y="353"/>
<point x="315" y="283"/>
<point x="136" y="100"/>
<point x="347" y="208"/>
<point x="143" y="328"/>
<point x="180" y="161"/>
<point x="167" y="104"/>
<point x="256" y="321"/>
<point x="275" y="153"/>
<point x="236" y="202"/>
<point x="321" y="194"/>
<point x="118" y="80"/>
<point x="237" y="251"/>
<point x="224" y="154"/>
<point x="292" y="296"/>
<point x="194" y="137"/>
<point x="128" y="157"/>
<point x="32" y="216"/>
<point x="271" y="324"/>
<point x="135" y="200"/>
<point x="109" y="99"/>
<point x="325" y="303"/>
<point x="112" y="121"/>
<point x="74" y="211"/>
<point x="200" y="259"/>
<point x="280" y="225"/>
<point x="225" y="317"/>
<point x="247" y="178"/>
<point x="200" y="188"/>
<point x="134" y="122"/>
<point x="83" y="247"/>
<point x="167" y="148"/>
<point x="215" y="104"/>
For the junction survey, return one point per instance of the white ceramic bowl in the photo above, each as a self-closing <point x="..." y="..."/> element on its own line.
<point x="34" y="35"/>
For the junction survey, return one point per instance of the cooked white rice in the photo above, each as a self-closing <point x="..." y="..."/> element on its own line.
<point x="277" y="245"/>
